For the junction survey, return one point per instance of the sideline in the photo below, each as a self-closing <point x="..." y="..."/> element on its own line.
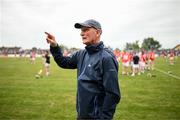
<point x="174" y="76"/>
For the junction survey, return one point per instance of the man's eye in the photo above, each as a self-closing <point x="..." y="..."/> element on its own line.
<point x="85" y="29"/>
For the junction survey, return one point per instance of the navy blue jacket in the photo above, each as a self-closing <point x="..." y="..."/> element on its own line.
<point x="98" y="90"/>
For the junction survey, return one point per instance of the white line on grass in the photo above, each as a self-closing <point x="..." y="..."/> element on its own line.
<point x="174" y="76"/>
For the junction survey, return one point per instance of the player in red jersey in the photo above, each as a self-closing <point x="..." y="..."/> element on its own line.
<point x="151" y="59"/>
<point x="171" y="57"/>
<point x="125" y="63"/>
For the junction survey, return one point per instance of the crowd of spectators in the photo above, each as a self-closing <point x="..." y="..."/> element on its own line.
<point x="19" y="52"/>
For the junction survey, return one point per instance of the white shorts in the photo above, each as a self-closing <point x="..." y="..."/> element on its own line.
<point x="47" y="64"/>
<point x="142" y="64"/>
<point x="135" y="65"/>
<point x="171" y="58"/>
<point x="33" y="58"/>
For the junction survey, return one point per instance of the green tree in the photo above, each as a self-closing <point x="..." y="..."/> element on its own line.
<point x="63" y="47"/>
<point x="149" y="43"/>
<point x="132" y="46"/>
<point x="34" y="49"/>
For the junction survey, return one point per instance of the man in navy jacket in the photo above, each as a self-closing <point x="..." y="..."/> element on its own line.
<point x="98" y="90"/>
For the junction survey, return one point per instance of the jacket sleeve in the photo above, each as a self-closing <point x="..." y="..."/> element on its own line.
<point x="62" y="61"/>
<point x="111" y="87"/>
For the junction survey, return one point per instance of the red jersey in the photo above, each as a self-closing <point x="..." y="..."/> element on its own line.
<point x="143" y="57"/>
<point x="171" y="54"/>
<point x="125" y="57"/>
<point x="151" y="55"/>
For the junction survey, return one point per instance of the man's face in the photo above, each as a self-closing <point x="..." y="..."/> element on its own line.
<point x="89" y="35"/>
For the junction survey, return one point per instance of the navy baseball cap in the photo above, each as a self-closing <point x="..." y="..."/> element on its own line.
<point x="88" y="23"/>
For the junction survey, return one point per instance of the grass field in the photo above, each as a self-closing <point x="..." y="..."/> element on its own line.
<point x="23" y="97"/>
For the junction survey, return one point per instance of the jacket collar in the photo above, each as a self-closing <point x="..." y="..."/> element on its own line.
<point x="94" y="48"/>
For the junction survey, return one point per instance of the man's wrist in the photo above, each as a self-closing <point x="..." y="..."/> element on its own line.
<point x="54" y="45"/>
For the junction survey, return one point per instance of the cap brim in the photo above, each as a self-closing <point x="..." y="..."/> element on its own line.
<point x="80" y="25"/>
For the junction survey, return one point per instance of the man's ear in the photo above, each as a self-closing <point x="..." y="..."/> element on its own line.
<point x="98" y="32"/>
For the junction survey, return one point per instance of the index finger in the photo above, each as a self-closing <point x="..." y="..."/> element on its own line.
<point x="47" y="33"/>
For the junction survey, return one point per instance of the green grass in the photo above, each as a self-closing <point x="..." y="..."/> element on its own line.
<point x="24" y="97"/>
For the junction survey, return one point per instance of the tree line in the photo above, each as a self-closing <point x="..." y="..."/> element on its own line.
<point x="147" y="44"/>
